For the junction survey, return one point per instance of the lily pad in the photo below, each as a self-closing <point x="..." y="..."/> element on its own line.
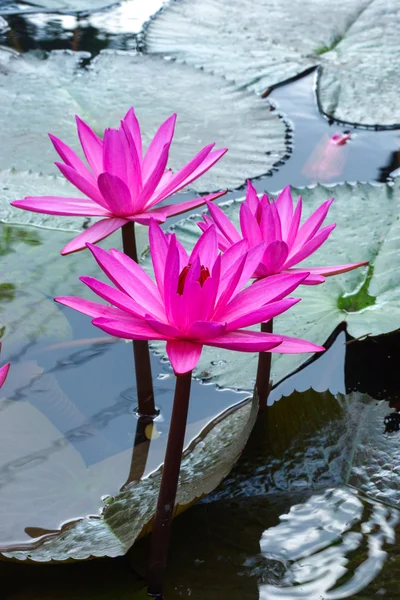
<point x="17" y="184"/>
<point x="42" y="94"/>
<point x="261" y="44"/>
<point x="368" y="299"/>
<point x="60" y="478"/>
<point x="302" y="528"/>
<point x="68" y="428"/>
<point x="310" y="440"/>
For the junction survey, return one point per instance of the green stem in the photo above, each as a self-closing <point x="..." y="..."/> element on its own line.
<point x="169" y="485"/>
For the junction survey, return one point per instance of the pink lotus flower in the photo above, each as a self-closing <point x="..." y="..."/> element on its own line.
<point x="122" y="184"/>
<point x="277" y="224"/>
<point x="3" y="372"/>
<point x="196" y="300"/>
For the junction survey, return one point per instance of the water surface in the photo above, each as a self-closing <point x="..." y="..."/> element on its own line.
<point x="290" y="521"/>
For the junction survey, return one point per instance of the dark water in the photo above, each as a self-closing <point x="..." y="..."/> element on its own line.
<point x="67" y="425"/>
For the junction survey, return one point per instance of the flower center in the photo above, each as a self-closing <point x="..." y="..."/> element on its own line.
<point x="204" y="274"/>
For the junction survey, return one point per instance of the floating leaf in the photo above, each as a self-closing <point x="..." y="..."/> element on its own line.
<point x="32" y="274"/>
<point x="43" y="94"/>
<point x="16" y="184"/>
<point x="68" y="428"/>
<point x="368" y="299"/>
<point x="260" y="44"/>
<point x="59" y="477"/>
<point x="314" y="439"/>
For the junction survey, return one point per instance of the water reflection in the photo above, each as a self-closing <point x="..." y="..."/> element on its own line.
<point x="323" y="546"/>
<point x="11" y="236"/>
<point x="117" y="27"/>
<point x="333" y="546"/>
<point x="368" y="155"/>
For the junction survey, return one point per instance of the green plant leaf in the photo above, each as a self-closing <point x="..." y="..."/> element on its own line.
<point x="260" y="44"/>
<point x="368" y="299"/>
<point x="308" y="440"/>
<point x="208" y="458"/>
<point x="45" y="93"/>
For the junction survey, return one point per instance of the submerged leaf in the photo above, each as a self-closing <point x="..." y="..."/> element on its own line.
<point x="368" y="299"/>
<point x="260" y="44"/>
<point x="43" y="95"/>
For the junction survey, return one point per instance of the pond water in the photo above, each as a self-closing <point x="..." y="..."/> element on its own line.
<point x="311" y="508"/>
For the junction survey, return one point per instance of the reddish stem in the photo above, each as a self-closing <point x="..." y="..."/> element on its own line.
<point x="168" y="487"/>
<point x="144" y="380"/>
<point x="264" y="371"/>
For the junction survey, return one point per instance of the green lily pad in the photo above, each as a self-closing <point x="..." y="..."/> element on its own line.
<point x="26" y="311"/>
<point x="67" y="429"/>
<point x="17" y="184"/>
<point x="311" y="439"/>
<point x="41" y="95"/>
<point x="314" y="499"/>
<point x="368" y="299"/>
<point x="260" y="44"/>
<point x="123" y="517"/>
<point x="33" y="273"/>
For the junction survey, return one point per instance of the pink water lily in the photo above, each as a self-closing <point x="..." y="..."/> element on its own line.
<point x="3" y="372"/>
<point x="121" y="183"/>
<point x="195" y="300"/>
<point x="277" y="223"/>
